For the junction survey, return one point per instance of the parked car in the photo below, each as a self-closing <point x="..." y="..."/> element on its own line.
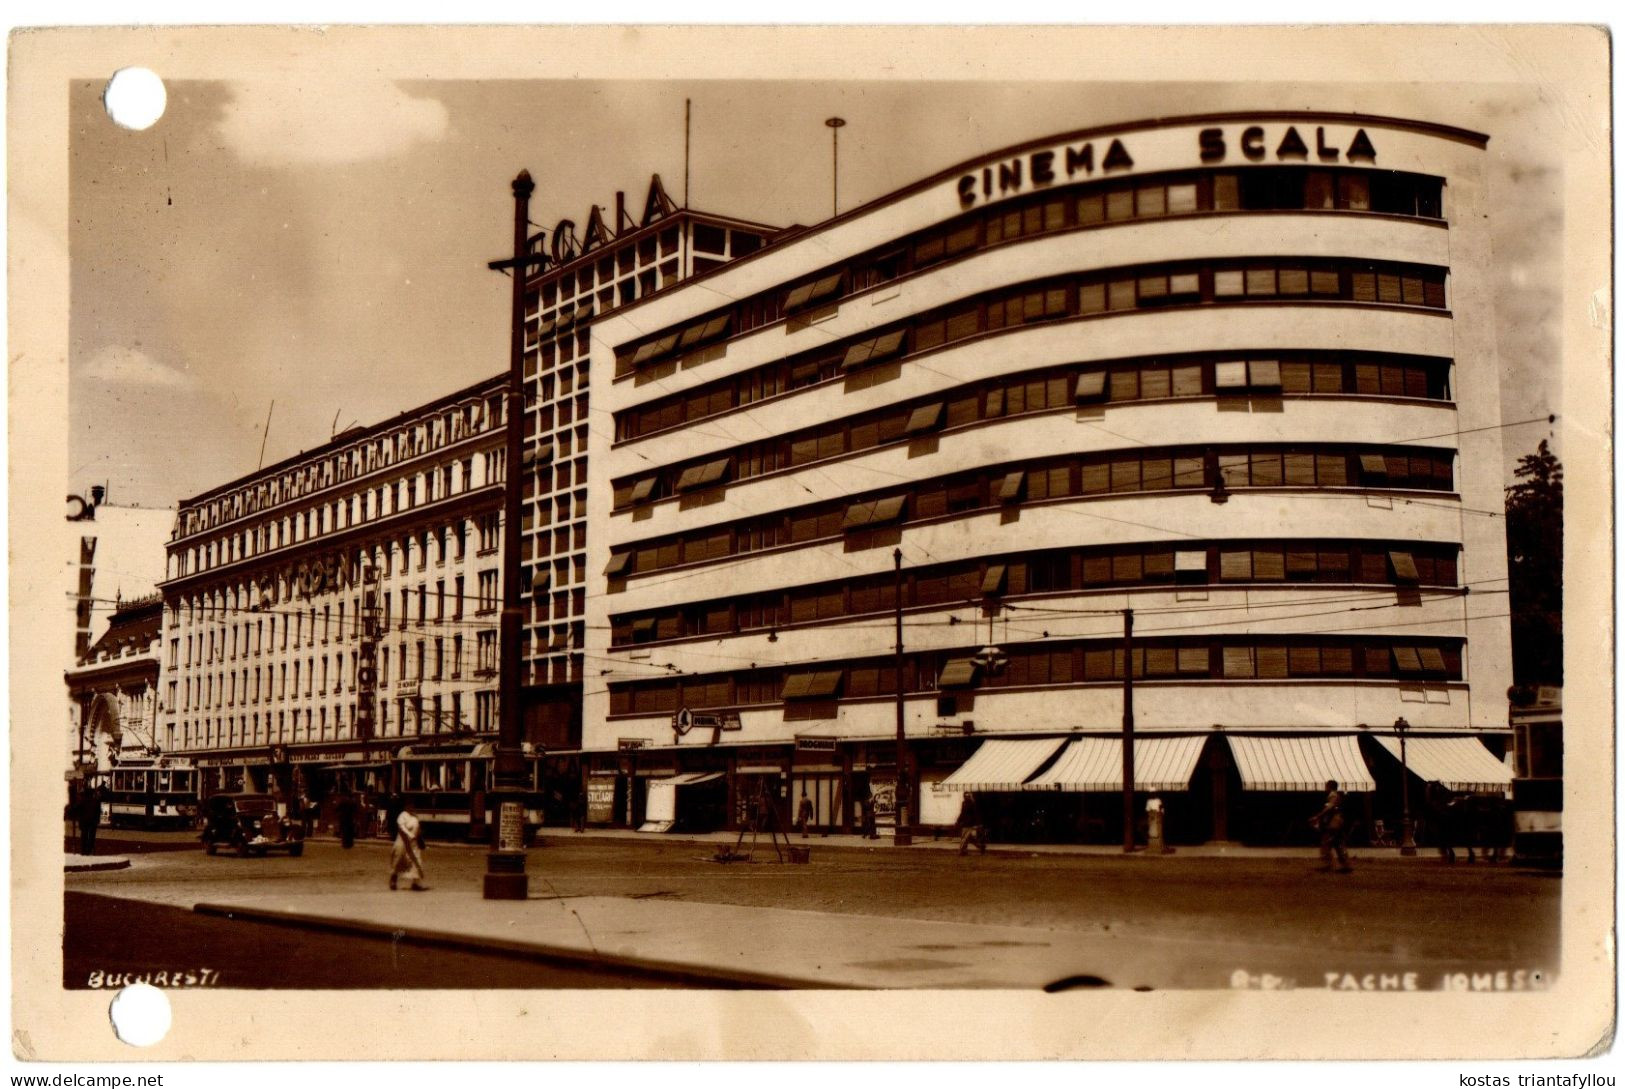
<point x="248" y="823"/>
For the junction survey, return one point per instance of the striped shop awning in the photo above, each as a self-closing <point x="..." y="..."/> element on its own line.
<point x="1002" y="764"/>
<point x="1300" y="763"/>
<point x="1095" y="764"/>
<point x="1462" y="764"/>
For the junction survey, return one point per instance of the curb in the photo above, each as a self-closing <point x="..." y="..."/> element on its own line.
<point x="669" y="972"/>
<point x="112" y="862"/>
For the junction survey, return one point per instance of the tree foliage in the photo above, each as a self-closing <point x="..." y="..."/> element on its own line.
<point x="1534" y="516"/>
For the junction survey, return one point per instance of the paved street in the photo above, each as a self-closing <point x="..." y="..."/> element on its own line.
<point x="915" y="917"/>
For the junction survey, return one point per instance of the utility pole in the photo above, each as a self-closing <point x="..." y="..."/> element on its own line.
<point x="902" y="837"/>
<point x="1128" y="731"/>
<point x="505" y="877"/>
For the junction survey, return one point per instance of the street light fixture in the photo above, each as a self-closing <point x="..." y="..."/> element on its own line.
<point x="1407" y="828"/>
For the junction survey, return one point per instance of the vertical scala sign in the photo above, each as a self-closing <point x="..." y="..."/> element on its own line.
<point x="366" y="670"/>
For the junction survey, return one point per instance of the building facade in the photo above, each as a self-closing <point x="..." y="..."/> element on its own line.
<point x="577" y="279"/>
<point x="325" y="612"/>
<point x="1234" y="373"/>
<point x="113" y="689"/>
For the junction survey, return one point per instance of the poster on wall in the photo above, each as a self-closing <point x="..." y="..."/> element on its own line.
<point x="883" y="788"/>
<point x="601" y="799"/>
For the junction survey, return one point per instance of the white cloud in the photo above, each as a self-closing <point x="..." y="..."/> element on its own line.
<point x="326" y="120"/>
<point x="118" y="365"/>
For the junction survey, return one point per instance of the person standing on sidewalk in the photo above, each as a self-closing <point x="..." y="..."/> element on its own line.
<point x="804" y="813"/>
<point x="344" y="811"/>
<point x="1333" y="830"/>
<point x="971" y="829"/>
<point x="406" y="857"/>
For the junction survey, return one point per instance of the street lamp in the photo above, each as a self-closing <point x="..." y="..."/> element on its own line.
<point x="505" y="877"/>
<point x="835" y="125"/>
<point x="1407" y="829"/>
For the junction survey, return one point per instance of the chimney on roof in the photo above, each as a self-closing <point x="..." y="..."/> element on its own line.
<point x="98" y="492"/>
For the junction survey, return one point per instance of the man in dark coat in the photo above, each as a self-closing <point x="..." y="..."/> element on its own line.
<point x="971" y="829"/>
<point x="90" y="818"/>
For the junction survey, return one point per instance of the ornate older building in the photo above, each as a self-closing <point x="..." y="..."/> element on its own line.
<point x="324" y="612"/>
<point x="113" y="689"/>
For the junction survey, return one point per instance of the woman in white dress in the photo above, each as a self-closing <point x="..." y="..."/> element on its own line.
<point x="406" y="858"/>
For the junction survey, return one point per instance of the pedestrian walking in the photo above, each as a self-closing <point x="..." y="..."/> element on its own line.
<point x="804" y="813"/>
<point x="406" y="857"/>
<point x="578" y="809"/>
<point x="307" y="813"/>
<point x="344" y="810"/>
<point x="1333" y="830"/>
<point x="971" y="828"/>
<point x="866" y="809"/>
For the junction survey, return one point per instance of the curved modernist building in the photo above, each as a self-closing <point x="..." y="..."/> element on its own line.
<point x="1234" y="373"/>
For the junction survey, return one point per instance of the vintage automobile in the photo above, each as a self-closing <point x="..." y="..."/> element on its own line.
<point x="248" y="824"/>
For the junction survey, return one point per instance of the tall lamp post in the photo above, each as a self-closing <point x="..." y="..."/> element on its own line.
<point x="902" y="837"/>
<point x="835" y="125"/>
<point x="1407" y="828"/>
<point x="505" y="877"/>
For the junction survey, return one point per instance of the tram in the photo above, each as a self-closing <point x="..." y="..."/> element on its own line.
<point x="447" y="785"/>
<point x="152" y="794"/>
<point x="1537" y="784"/>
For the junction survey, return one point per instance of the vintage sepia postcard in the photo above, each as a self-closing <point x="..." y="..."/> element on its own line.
<point x="769" y="543"/>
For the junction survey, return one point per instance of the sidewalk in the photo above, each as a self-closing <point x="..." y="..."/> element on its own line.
<point x="816" y="842"/>
<point x="720" y="945"/>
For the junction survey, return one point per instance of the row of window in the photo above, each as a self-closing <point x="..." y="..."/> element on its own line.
<point x="445" y="543"/>
<point x="1152" y="378"/>
<point x="1218" y="469"/>
<point x="1088" y="204"/>
<point x="1101" y="660"/>
<point x="623" y="261"/>
<point x="369" y="505"/>
<point x="1055" y="571"/>
<point x="429" y="715"/>
<point x="225" y="689"/>
<point x="448" y="425"/>
<point x="1117" y="290"/>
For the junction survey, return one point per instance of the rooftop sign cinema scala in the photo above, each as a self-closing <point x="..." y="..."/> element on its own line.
<point x="1069" y="162"/>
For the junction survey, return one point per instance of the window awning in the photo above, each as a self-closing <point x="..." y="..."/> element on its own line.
<point x="922" y="419"/>
<point x="654" y="349"/>
<point x="817" y="291"/>
<point x="875" y="513"/>
<point x="1002" y="764"/>
<point x="1091" y="386"/>
<point x="700" y="476"/>
<point x="958" y="673"/>
<point x="643" y="489"/>
<point x="993" y="581"/>
<point x="1190" y="560"/>
<point x="1010" y="486"/>
<point x="618" y="563"/>
<point x="704" y="331"/>
<point x="1092" y="764"/>
<point x="1264" y="373"/>
<point x="1300" y="763"/>
<point x="1375" y="464"/>
<point x="873" y="350"/>
<point x="1458" y="763"/>
<point x="812" y="686"/>
<point x="1404" y="566"/>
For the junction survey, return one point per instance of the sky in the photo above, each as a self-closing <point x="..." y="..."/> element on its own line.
<point x="314" y="250"/>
